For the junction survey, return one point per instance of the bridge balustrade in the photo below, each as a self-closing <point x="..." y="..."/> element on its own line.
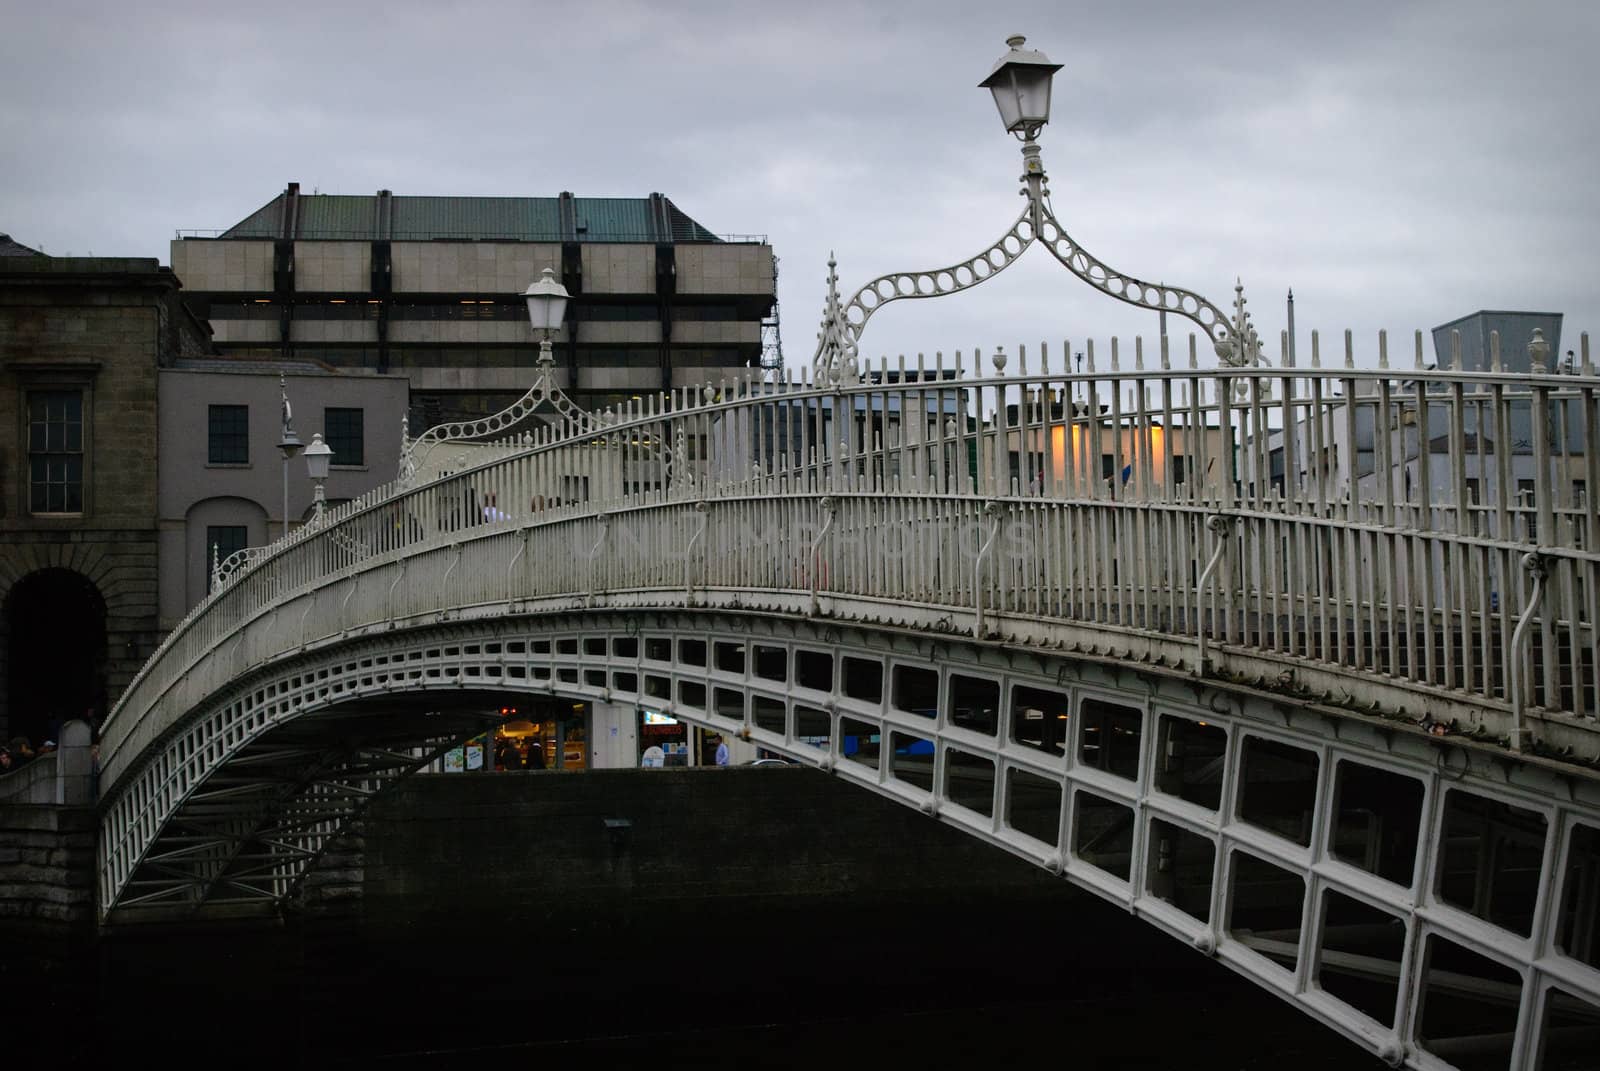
<point x="1407" y="544"/>
<point x="1356" y="530"/>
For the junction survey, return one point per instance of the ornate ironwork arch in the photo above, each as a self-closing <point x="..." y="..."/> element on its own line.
<point x="838" y="341"/>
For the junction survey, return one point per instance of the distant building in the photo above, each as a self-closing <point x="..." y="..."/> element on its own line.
<point x="81" y="340"/>
<point x="430" y="288"/>
<point x="1343" y="453"/>
<point x="1480" y="330"/>
<point x="222" y="474"/>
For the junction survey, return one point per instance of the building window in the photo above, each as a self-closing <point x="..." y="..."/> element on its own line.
<point x="228" y="435"/>
<point x="55" y="451"/>
<point x="222" y="541"/>
<point x="342" y="431"/>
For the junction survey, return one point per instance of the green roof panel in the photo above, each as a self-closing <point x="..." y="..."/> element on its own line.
<point x="511" y="218"/>
<point x="336" y="217"/>
<point x="614" y="219"/>
<point x="262" y="223"/>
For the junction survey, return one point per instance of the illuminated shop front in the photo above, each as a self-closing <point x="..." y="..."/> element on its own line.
<point x="681" y="744"/>
<point x="538" y="735"/>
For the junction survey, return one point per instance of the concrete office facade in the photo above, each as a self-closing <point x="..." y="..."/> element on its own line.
<point x="429" y="287"/>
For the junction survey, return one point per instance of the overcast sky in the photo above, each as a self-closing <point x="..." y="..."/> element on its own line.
<point x="1398" y="164"/>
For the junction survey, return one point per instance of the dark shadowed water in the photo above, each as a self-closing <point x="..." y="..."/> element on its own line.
<point x="980" y="984"/>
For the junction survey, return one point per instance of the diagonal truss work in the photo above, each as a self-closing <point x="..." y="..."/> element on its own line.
<point x="252" y="830"/>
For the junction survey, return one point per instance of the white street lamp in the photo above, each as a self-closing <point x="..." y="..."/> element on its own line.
<point x="1020" y="83"/>
<point x="547" y="307"/>
<point x="318" y="456"/>
<point x="547" y="302"/>
<point x="291" y="446"/>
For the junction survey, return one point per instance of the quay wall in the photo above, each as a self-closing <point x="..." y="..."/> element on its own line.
<point x="554" y="848"/>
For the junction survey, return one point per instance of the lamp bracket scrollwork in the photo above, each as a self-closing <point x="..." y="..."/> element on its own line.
<point x="836" y="360"/>
<point x="544" y="390"/>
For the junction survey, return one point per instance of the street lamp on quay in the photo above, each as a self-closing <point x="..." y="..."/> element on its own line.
<point x="1020" y="83"/>
<point x="290" y="445"/>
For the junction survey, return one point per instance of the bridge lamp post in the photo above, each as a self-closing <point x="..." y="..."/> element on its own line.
<point x="1020" y="83"/>
<point x="547" y="307"/>
<point x="318" y="456"/>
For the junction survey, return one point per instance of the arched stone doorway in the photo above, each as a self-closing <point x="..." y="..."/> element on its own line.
<point x="55" y="621"/>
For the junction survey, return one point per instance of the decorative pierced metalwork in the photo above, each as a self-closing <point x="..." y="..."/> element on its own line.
<point x="544" y="390"/>
<point x="837" y="348"/>
<point x="235" y="564"/>
<point x="1233" y="338"/>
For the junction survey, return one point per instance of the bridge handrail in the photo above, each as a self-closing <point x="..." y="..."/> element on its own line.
<point x="754" y="436"/>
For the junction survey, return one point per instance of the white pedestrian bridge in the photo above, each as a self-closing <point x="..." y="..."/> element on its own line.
<point x="1299" y="664"/>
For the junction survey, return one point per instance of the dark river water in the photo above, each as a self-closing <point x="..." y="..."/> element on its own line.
<point x="980" y="984"/>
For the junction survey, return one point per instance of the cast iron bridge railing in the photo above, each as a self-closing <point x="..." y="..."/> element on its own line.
<point x="1414" y="541"/>
<point x="1410" y="545"/>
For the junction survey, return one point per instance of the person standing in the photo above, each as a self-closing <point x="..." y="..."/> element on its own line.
<point x="722" y="751"/>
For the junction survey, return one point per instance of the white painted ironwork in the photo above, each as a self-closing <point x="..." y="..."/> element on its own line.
<point x="1322" y="564"/>
<point x="224" y="569"/>
<point x="837" y="357"/>
<point x="958" y="728"/>
<point x="1353" y="554"/>
<point x="1313" y="529"/>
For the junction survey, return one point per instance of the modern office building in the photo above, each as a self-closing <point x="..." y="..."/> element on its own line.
<point x="430" y="288"/>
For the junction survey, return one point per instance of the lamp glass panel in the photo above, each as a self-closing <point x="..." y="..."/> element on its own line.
<point x="1033" y="90"/>
<point x="1022" y="94"/>
<point x="545" y="311"/>
<point x="317" y="461"/>
<point x="1006" y="98"/>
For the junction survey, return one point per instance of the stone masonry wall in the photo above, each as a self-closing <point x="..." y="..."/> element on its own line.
<point x="101" y="326"/>
<point x="47" y="861"/>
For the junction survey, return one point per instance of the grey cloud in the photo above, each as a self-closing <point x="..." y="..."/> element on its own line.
<point x="1398" y="164"/>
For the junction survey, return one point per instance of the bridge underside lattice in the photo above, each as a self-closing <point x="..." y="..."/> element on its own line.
<point x="1392" y="884"/>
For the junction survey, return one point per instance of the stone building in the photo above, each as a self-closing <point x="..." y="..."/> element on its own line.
<point x="81" y="340"/>
<point x="430" y="287"/>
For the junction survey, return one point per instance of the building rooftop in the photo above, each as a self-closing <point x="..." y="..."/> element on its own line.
<point x="383" y="216"/>
<point x="18" y="265"/>
<point x="9" y="247"/>
<point x="1484" y="314"/>
<point x="256" y="367"/>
